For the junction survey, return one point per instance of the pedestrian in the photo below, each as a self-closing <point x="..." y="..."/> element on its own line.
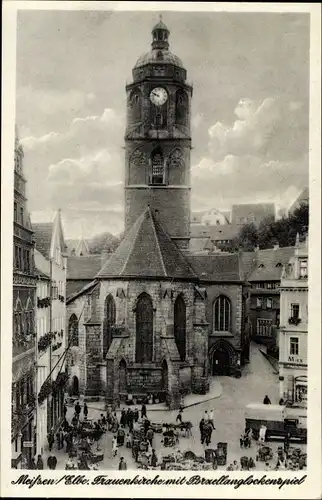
<point x="120" y="436"/>
<point x="211" y="418"/>
<point x="146" y="425"/>
<point x="287" y="443"/>
<point x="136" y="414"/>
<point x="150" y="435"/>
<point x="281" y="402"/>
<point x="50" y="462"/>
<point x="123" y="419"/>
<point x="130" y="419"/>
<point x="78" y="409"/>
<point x="50" y="439"/>
<point x="40" y="463"/>
<point x="202" y="430"/>
<point x="122" y="464"/>
<point x="241" y="440"/>
<point x="114" y="446"/>
<point x="262" y="434"/>
<point x="179" y="417"/>
<point x="54" y="462"/>
<point x="85" y="411"/>
<point x="208" y="433"/>
<point x="74" y="420"/>
<point x="266" y="401"/>
<point x="154" y="459"/>
<point x="143" y="411"/>
<point x="32" y="464"/>
<point x="235" y="465"/>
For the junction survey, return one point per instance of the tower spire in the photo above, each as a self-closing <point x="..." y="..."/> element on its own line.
<point x="160" y="34"/>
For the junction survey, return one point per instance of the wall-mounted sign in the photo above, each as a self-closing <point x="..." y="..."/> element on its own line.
<point x="295" y="359"/>
<point x="27" y="444"/>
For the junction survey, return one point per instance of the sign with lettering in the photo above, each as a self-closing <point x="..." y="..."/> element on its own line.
<point x="295" y="359"/>
<point x="27" y="444"/>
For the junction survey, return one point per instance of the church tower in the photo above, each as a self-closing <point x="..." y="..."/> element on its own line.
<point x="158" y="140"/>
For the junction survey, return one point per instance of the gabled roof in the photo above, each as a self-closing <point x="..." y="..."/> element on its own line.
<point x="267" y="263"/>
<point x="87" y="288"/>
<point x="200" y="244"/>
<point x="147" y="251"/>
<point x="43" y="232"/>
<point x="82" y="247"/>
<point x="217" y="267"/>
<point x="84" y="267"/>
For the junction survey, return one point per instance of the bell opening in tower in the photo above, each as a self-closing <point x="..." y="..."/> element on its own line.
<point x="157" y="164"/>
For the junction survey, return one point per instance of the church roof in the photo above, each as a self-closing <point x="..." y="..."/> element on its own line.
<point x="43" y="232"/>
<point x="154" y="56"/>
<point x="160" y="26"/>
<point x="217" y="267"/>
<point x="148" y="252"/>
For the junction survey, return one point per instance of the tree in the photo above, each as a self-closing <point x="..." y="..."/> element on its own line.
<point x="104" y="241"/>
<point x="247" y="238"/>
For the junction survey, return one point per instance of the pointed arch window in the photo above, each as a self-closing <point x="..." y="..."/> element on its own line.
<point x="136" y="105"/>
<point x="180" y="326"/>
<point x="109" y="322"/>
<point x="157" y="167"/>
<point x="73" y="337"/>
<point x="222" y="314"/>
<point x="144" y="329"/>
<point x="181" y="108"/>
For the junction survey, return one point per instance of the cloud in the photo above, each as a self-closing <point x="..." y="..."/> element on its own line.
<point x="246" y="178"/>
<point x="31" y="142"/>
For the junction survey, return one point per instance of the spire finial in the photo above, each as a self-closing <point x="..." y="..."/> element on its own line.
<point x="160" y="17"/>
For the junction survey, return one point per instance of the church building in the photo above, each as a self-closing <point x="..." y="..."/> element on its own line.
<point x="156" y="318"/>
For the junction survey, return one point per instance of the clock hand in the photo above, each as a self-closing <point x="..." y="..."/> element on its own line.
<point x="155" y="93"/>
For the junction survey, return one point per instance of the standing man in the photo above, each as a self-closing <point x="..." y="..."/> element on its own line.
<point x="50" y="439"/>
<point x="211" y="418"/>
<point x="77" y="409"/>
<point x="85" y="411"/>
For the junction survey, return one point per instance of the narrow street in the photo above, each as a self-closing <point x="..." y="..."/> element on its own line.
<point x="258" y="379"/>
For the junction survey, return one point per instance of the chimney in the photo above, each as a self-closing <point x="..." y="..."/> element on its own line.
<point x="276" y="246"/>
<point x="156" y="215"/>
<point x="104" y="256"/>
<point x="256" y="248"/>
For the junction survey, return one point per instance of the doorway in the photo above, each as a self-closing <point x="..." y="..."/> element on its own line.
<point x="221" y="361"/>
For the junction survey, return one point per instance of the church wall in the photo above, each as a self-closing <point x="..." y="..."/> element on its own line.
<point x="234" y="293"/>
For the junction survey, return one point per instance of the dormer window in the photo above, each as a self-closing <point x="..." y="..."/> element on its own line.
<point x="261" y="266"/>
<point x="303" y="268"/>
<point x="160" y="55"/>
<point x="278" y="264"/>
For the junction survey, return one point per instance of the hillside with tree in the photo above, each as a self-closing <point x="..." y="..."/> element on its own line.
<point x="269" y="232"/>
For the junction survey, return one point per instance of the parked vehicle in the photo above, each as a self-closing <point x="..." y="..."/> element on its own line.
<point x="277" y="420"/>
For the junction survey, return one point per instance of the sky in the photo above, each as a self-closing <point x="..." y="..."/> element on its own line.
<point x="250" y="130"/>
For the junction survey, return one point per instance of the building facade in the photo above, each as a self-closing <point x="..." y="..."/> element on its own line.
<point x="293" y="337"/>
<point x="51" y="260"/>
<point x="23" y="423"/>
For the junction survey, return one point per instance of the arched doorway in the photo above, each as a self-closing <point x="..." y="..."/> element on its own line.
<point x="75" y="386"/>
<point x="109" y="322"/>
<point x="221" y="361"/>
<point x="144" y="329"/>
<point x="122" y="377"/>
<point x="180" y="326"/>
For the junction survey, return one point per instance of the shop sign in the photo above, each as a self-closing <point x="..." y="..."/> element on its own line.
<point x="27" y="444"/>
<point x="295" y="359"/>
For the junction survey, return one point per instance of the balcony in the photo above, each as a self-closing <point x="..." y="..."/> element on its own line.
<point x="22" y="344"/>
<point x="293" y="320"/>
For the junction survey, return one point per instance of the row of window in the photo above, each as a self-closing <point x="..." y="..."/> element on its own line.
<point x="23" y="323"/>
<point x="42" y="290"/>
<point x="22" y="259"/>
<point x="18" y="214"/>
<point x="144" y="324"/>
<point x="22" y="392"/>
<point x="266" y="285"/>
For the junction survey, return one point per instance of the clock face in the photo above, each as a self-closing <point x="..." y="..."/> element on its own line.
<point x="158" y="96"/>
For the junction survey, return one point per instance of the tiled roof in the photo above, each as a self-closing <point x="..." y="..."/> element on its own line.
<point x="200" y="244"/>
<point x="43" y="234"/>
<point x="147" y="251"/>
<point x="41" y="274"/>
<point x="266" y="263"/>
<point x="215" y="233"/>
<point x="84" y="267"/>
<point x="74" y="286"/>
<point x="216" y="267"/>
<point x="248" y="260"/>
<point x="88" y="287"/>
